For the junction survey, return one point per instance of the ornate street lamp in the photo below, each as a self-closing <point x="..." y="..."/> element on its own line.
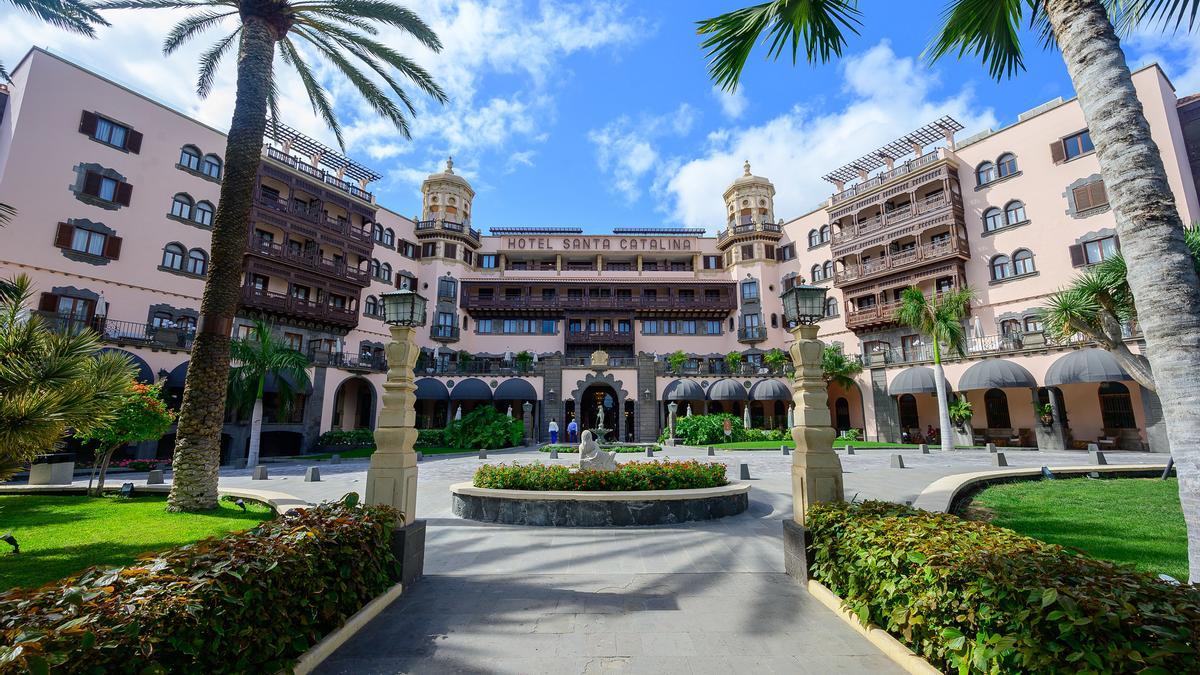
<point x="392" y="476"/>
<point x="816" y="469"/>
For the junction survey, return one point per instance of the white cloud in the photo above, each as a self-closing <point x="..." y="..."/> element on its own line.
<point x="625" y="147"/>
<point x="733" y="104"/>
<point x="888" y="97"/>
<point x="1177" y="53"/>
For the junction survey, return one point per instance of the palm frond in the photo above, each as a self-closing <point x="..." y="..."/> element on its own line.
<point x="7" y="213"/>
<point x="382" y="105"/>
<point x="190" y="27"/>
<point x="988" y="29"/>
<point x="822" y="25"/>
<point x="1171" y="14"/>
<point x="316" y="94"/>
<point x="381" y="11"/>
<point x="360" y="45"/>
<point x="210" y="59"/>
<point x="72" y="15"/>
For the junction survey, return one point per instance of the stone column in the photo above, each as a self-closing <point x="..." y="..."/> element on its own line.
<point x="392" y="476"/>
<point x="816" y="469"/>
<point x="1053" y="437"/>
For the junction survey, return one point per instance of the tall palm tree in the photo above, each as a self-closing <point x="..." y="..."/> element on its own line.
<point x="257" y="357"/>
<point x="1161" y="276"/>
<point x="838" y="368"/>
<point x="334" y="30"/>
<point x="941" y="320"/>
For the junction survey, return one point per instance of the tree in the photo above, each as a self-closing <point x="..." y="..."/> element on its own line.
<point x="940" y="319"/>
<point x="140" y="415"/>
<point x="51" y="380"/>
<point x="1099" y="302"/>
<point x="677" y="360"/>
<point x="334" y="30"/>
<point x="733" y="361"/>
<point x="1161" y="276"/>
<point x="776" y="359"/>
<point x="257" y="357"/>
<point x="838" y="368"/>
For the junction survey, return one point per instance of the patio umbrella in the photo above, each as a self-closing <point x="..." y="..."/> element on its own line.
<point x="746" y="416"/>
<point x="458" y="414"/>
<point x="101" y="306"/>
<point x="791" y="416"/>
<point x="689" y="410"/>
<point x="510" y="410"/>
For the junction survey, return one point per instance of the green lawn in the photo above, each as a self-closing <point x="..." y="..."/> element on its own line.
<point x="63" y="534"/>
<point x="1137" y="521"/>
<point x="837" y="443"/>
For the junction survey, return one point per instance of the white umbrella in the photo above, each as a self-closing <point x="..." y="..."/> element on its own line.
<point x="458" y="414"/>
<point x="508" y="356"/>
<point x="101" y="306"/>
<point x="689" y="410"/>
<point x="535" y="357"/>
<point x="978" y="327"/>
<point x="746" y="416"/>
<point x="510" y="410"/>
<point x="791" y="416"/>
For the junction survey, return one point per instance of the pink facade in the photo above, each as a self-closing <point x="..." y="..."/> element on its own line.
<point x="108" y="196"/>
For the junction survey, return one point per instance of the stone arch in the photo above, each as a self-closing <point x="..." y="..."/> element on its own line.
<point x="601" y="379"/>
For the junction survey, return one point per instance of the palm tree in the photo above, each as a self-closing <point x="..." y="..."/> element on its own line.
<point x="838" y="368"/>
<point x="334" y="30"/>
<point x="51" y="380"/>
<point x="1161" y="276"/>
<point x="258" y="356"/>
<point x="940" y="319"/>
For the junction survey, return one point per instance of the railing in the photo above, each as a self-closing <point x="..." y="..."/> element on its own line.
<point x="123" y="332"/>
<point x="882" y="221"/>
<point x="311" y="259"/>
<point x="599" y="337"/>
<point x="720" y="367"/>
<point x="318" y="173"/>
<point x="297" y="306"/>
<point x="444" y="332"/>
<point x="450" y="226"/>
<point x="752" y="334"/>
<point x="901" y="259"/>
<point x="476" y="366"/>
<point x="613" y="362"/>
<point x="747" y="228"/>
<point x="724" y="303"/>
<point x="345" y="361"/>
<point x="985" y="345"/>
<point x="897" y="171"/>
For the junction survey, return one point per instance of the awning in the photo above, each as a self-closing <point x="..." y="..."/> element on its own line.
<point x="178" y="376"/>
<point x="271" y="385"/>
<point x="727" y="390"/>
<point x="145" y="374"/>
<point x="683" y="390"/>
<point x="995" y="374"/>
<point x="1085" y="365"/>
<point x="515" y="390"/>
<point x="429" y="389"/>
<point x="471" y="389"/>
<point x="770" y="390"/>
<point x="915" y="380"/>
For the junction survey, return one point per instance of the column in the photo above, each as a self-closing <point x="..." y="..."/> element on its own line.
<point x="392" y="476"/>
<point x="1053" y="437"/>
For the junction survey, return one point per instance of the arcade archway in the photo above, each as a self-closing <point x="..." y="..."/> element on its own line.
<point x="354" y="404"/>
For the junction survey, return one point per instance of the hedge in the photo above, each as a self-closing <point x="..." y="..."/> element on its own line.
<point x="973" y="597"/>
<point x="355" y="438"/>
<point x="628" y="477"/>
<point x="710" y="430"/>
<point x="482" y="428"/>
<point x="249" y="602"/>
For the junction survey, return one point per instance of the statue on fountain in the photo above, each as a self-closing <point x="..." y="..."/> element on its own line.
<point x="601" y="432"/>
<point x="591" y="457"/>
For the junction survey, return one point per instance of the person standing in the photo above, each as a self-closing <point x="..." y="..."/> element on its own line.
<point x="553" y="430"/>
<point x="573" y="432"/>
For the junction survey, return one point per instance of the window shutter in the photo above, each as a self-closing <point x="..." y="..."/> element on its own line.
<point x="91" y="184"/>
<point x="1058" y="154"/>
<point x="112" y="248"/>
<point x="64" y="235"/>
<point x="48" y="303"/>
<point x="1099" y="196"/>
<point x="1083" y="197"/>
<point x="124" y="192"/>
<point x="399" y="281"/>
<point x="133" y="142"/>
<point x="1077" y="257"/>
<point x="87" y="123"/>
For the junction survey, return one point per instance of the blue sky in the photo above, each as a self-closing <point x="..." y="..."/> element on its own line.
<point x="600" y="114"/>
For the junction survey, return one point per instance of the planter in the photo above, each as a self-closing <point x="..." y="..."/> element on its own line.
<point x="598" y="509"/>
<point x="53" y="469"/>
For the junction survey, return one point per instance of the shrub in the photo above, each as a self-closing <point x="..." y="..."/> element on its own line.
<point x="431" y="438"/>
<point x="143" y="464"/>
<point x="484" y="427"/>
<point x="354" y="438"/>
<point x="710" y="430"/>
<point x="630" y="476"/>
<point x="249" y="602"/>
<point x="852" y="434"/>
<point x="973" y="597"/>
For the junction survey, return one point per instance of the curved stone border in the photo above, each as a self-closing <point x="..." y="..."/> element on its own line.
<point x="598" y="509"/>
<point x="279" y="501"/>
<point x="887" y="643"/>
<point x="943" y="494"/>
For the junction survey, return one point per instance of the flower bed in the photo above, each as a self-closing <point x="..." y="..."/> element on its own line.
<point x="972" y="597"/>
<point x="610" y="448"/>
<point x="143" y="464"/>
<point x="630" y="476"/>
<point x="250" y="602"/>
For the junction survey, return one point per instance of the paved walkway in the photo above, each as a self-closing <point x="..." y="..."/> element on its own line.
<point x="693" y="598"/>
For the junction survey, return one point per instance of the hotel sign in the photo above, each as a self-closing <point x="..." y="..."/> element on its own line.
<point x="598" y="244"/>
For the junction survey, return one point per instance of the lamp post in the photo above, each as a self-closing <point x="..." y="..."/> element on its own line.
<point x="816" y="469"/>
<point x="671" y="408"/>
<point x="392" y="475"/>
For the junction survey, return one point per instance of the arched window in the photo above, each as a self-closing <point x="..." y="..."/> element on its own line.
<point x="389" y="237"/>
<point x="828" y="270"/>
<point x="211" y="166"/>
<point x="813" y="238"/>
<point x="204" y="213"/>
<point x="816" y="272"/>
<point x="985" y="173"/>
<point x="1116" y="408"/>
<point x="181" y="206"/>
<point x="173" y="257"/>
<point x="831" y="307"/>
<point x="371" y="305"/>
<point x="993" y="219"/>
<point x="1022" y="262"/>
<point x="1001" y="269"/>
<point x="385" y="272"/>
<point x="908" y="412"/>
<point x="377" y="232"/>
<point x="189" y="157"/>
<point x="1014" y="212"/>
<point x="824" y="233"/>
<point x="197" y="262"/>
<point x="1006" y="165"/>
<point x="1010" y="327"/>
<point x="995" y="404"/>
<point x="375" y="268"/>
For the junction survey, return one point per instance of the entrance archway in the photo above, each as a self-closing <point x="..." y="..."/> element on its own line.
<point x="354" y="404"/>
<point x="594" y="398"/>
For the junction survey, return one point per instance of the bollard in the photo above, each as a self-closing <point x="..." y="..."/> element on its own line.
<point x="744" y="471"/>
<point x="312" y="475"/>
<point x="1093" y="447"/>
<point x="897" y="461"/>
<point x="420" y="455"/>
<point x="483" y="453"/>
<point x="999" y="459"/>
<point x="337" y="459"/>
<point x="155" y="477"/>
<point x="991" y="447"/>
<point x="650" y="451"/>
<point x="1098" y="458"/>
<point x="712" y="452"/>
<point x="849" y="449"/>
<point x="553" y="453"/>
<point x="259" y="473"/>
<point x="785" y="449"/>
<point x="924" y="448"/>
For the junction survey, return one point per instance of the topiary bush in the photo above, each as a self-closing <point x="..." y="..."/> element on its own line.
<point x="975" y="598"/>
<point x="249" y="602"/>
<point x="484" y="427"/>
<point x="630" y="476"/>
<point x="349" y="438"/>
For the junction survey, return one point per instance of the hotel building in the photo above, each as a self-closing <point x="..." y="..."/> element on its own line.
<point x="116" y="194"/>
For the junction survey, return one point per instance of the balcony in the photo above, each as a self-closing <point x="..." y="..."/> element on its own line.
<point x="752" y="334"/>
<point x="311" y="260"/>
<point x="886" y="177"/>
<point x="599" y="337"/>
<point x="124" y="333"/>
<point x="985" y="346"/>
<point x="902" y="260"/>
<point x="305" y="212"/>
<point x="700" y="306"/>
<point x="700" y="368"/>
<point x="319" y="174"/>
<point x="909" y="213"/>
<point x="281" y="303"/>
<point x="478" y="365"/>
<point x="748" y="228"/>
<point x="444" y="332"/>
<point x="449" y="226"/>
<point x="355" y="363"/>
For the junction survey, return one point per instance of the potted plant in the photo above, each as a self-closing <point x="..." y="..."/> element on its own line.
<point x="777" y="360"/>
<point x="464" y="360"/>
<point x="1045" y="413"/>
<point x="960" y="412"/>
<point x="677" y="360"/>
<point x="733" y="361"/>
<point x="524" y="361"/>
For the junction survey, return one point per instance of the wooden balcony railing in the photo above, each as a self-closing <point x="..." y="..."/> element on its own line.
<point x="599" y="337"/>
<point x="311" y="260"/>
<point x="886" y="177"/>
<point x="901" y="260"/>
<point x="318" y="173"/>
<point x="444" y="332"/>
<point x="701" y="304"/>
<point x="752" y="334"/>
<point x="299" y="307"/>
<point x="351" y="362"/>
<point x="450" y="226"/>
<point x="747" y="228"/>
<point x="882" y="221"/>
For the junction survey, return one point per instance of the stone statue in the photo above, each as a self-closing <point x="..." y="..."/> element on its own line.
<point x="591" y="457"/>
<point x="600" y="417"/>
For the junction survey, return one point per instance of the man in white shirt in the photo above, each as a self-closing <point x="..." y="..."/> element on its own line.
<point x="553" y="430"/>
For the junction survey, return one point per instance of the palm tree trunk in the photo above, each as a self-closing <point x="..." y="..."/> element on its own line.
<point x="945" y="435"/>
<point x="198" y="443"/>
<point x="256" y="419"/>
<point x="1161" y="274"/>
